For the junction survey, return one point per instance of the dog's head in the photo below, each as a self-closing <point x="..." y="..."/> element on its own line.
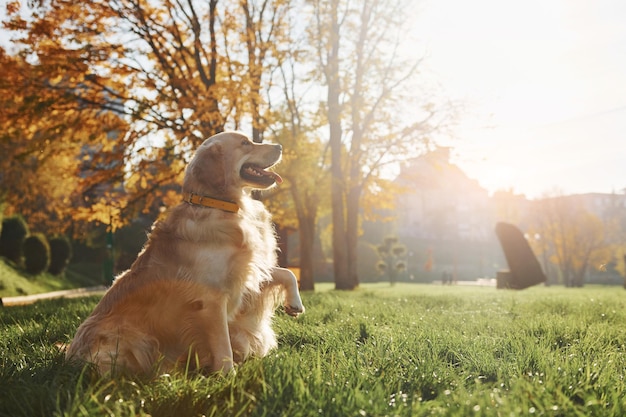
<point x="228" y="162"/>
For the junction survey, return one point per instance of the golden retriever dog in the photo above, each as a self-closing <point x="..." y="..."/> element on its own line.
<point x="204" y="289"/>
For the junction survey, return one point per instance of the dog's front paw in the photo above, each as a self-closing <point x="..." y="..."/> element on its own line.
<point x="294" y="311"/>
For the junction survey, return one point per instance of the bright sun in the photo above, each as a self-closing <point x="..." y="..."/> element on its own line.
<point x="546" y="77"/>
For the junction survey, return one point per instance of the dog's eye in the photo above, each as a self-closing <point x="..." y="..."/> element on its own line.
<point x="246" y="142"/>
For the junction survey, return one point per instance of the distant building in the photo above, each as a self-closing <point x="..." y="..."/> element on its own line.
<point x="441" y="202"/>
<point x="447" y="220"/>
<point x="605" y="206"/>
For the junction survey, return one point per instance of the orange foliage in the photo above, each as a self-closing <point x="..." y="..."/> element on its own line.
<point x="43" y="134"/>
<point x="102" y="102"/>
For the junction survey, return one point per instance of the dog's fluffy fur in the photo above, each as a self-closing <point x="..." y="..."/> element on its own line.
<point x="203" y="290"/>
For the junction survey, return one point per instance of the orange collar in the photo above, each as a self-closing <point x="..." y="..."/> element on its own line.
<point x="201" y="200"/>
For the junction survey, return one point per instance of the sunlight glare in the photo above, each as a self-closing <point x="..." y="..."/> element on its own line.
<point x="550" y="79"/>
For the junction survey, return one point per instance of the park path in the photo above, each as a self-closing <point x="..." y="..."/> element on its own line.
<point x="29" y="299"/>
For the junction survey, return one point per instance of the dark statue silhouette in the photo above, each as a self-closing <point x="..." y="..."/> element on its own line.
<point x="524" y="268"/>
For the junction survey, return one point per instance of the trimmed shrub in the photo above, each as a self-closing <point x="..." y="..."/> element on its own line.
<point x="14" y="230"/>
<point x="60" y="254"/>
<point x="36" y="254"/>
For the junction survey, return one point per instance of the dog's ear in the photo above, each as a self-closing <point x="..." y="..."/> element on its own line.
<point x="208" y="168"/>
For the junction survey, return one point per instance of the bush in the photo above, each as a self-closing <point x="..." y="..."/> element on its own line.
<point x="14" y="230"/>
<point x="36" y="254"/>
<point x="60" y="254"/>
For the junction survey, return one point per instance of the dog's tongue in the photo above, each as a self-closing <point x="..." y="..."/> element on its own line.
<point x="268" y="173"/>
<point x="277" y="178"/>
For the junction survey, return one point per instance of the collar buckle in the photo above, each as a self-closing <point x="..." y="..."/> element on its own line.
<point x="210" y="202"/>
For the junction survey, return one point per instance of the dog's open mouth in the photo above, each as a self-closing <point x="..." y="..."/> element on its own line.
<point x="258" y="175"/>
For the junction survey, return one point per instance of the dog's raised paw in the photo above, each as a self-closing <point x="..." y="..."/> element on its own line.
<point x="294" y="311"/>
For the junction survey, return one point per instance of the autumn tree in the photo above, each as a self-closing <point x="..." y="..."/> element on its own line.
<point x="43" y="132"/>
<point x="294" y="121"/>
<point x="367" y="84"/>
<point x="166" y="68"/>
<point x="266" y="27"/>
<point x="575" y="237"/>
<point x="614" y="219"/>
<point x="307" y="181"/>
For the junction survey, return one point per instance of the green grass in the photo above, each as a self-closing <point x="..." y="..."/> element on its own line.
<point x="14" y="282"/>
<point x="410" y="350"/>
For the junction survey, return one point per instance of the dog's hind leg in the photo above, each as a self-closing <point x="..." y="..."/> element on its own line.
<point x="209" y="336"/>
<point x="287" y="279"/>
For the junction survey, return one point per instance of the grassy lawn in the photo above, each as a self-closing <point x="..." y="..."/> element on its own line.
<point x="408" y="350"/>
<point x="14" y="282"/>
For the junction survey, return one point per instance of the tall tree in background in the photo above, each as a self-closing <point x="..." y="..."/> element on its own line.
<point x="164" y="67"/>
<point x="367" y="83"/>
<point x="303" y="167"/>
<point x="296" y="124"/>
<point x="326" y="39"/>
<point x="306" y="182"/>
<point x="265" y="34"/>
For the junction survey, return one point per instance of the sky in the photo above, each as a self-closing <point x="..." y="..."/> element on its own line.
<point x="543" y="84"/>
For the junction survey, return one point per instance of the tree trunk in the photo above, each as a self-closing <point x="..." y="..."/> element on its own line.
<point x="579" y="275"/>
<point x="352" y="234"/>
<point x="340" y="256"/>
<point x="567" y="276"/>
<point x="340" y="242"/>
<point x="307" y="240"/>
